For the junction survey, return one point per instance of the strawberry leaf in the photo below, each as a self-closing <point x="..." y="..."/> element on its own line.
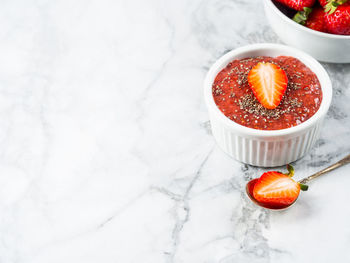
<point x="332" y="5"/>
<point x="303" y="187"/>
<point x="301" y="16"/>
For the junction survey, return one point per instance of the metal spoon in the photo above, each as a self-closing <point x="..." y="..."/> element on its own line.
<point x="250" y="184"/>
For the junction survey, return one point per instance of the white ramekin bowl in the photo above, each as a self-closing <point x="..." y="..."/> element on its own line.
<point x="322" y="46"/>
<point x="266" y="148"/>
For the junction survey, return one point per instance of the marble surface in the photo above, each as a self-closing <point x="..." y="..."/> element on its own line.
<point x="106" y="150"/>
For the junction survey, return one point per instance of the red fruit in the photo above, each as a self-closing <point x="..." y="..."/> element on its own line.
<point x="316" y="20"/>
<point x="275" y="188"/>
<point x="338" y="22"/>
<point x="268" y="83"/>
<point x="331" y="5"/>
<point x="297" y="4"/>
<point x="323" y="2"/>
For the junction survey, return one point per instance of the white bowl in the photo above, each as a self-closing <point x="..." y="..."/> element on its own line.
<point x="322" y="46"/>
<point x="266" y="148"/>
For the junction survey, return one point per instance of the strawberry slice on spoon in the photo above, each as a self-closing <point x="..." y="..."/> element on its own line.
<point x="268" y="83"/>
<point x="276" y="190"/>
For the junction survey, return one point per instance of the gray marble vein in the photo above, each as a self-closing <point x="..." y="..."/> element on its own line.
<point x="106" y="148"/>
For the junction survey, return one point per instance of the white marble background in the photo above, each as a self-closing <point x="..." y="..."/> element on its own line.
<point x="106" y="151"/>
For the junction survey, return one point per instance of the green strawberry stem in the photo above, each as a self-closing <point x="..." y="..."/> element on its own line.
<point x="301" y="16"/>
<point x="332" y="5"/>
<point x="290" y="169"/>
<point x="303" y="187"/>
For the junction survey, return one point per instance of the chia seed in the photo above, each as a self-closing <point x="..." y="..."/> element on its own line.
<point x="247" y="109"/>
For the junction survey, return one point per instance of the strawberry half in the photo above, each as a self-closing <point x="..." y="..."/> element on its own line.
<point x="275" y="188"/>
<point x="268" y="83"/>
<point x="297" y="4"/>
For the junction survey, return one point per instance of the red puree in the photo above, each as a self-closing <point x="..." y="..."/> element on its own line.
<point x="236" y="100"/>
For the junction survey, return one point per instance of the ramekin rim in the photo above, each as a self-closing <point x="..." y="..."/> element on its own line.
<point x="222" y="61"/>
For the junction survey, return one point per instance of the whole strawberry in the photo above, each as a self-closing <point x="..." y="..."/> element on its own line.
<point x="338" y="21"/>
<point x="323" y="2"/>
<point x="298" y="5"/>
<point x="313" y="18"/>
<point x="316" y="19"/>
<point x="331" y="5"/>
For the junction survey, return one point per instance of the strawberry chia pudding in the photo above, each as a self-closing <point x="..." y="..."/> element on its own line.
<point x="235" y="98"/>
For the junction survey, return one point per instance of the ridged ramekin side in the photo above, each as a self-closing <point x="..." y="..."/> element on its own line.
<point x="265" y="151"/>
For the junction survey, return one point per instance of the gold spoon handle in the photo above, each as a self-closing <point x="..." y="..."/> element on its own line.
<point x="342" y="162"/>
